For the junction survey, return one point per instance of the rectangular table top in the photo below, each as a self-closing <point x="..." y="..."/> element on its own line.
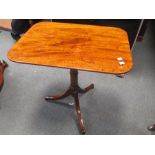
<point x="74" y="46"/>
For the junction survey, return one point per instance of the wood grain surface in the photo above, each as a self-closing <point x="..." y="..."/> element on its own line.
<point x="74" y="46"/>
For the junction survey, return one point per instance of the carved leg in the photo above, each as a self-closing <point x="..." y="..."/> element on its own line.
<point x="3" y="65"/>
<point x="91" y="86"/>
<point x="78" y="111"/>
<point x="65" y="94"/>
<point x="151" y="127"/>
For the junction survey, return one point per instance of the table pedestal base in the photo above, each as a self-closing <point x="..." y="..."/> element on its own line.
<point x="73" y="91"/>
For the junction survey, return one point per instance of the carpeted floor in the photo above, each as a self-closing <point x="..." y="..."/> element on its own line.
<point x="116" y="106"/>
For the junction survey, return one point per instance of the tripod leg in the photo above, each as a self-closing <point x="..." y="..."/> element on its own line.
<point x="91" y="86"/>
<point x="78" y="111"/>
<point x="65" y="94"/>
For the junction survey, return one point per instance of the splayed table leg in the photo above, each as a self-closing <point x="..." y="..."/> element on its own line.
<point x="73" y="91"/>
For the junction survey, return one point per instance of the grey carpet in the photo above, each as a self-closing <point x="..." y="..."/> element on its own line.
<point x="115" y="106"/>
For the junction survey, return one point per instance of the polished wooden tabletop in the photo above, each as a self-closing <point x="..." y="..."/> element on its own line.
<point x="74" y="46"/>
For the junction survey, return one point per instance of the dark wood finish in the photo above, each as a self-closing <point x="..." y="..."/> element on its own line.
<point x="151" y="127"/>
<point x="142" y="30"/>
<point x="74" y="90"/>
<point x="3" y="65"/>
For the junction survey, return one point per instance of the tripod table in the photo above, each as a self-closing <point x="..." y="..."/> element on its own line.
<point x="75" y="47"/>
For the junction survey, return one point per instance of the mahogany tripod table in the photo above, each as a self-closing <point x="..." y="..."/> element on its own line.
<point x="75" y="47"/>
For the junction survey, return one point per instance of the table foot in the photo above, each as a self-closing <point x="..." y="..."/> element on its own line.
<point x="79" y="116"/>
<point x="151" y="127"/>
